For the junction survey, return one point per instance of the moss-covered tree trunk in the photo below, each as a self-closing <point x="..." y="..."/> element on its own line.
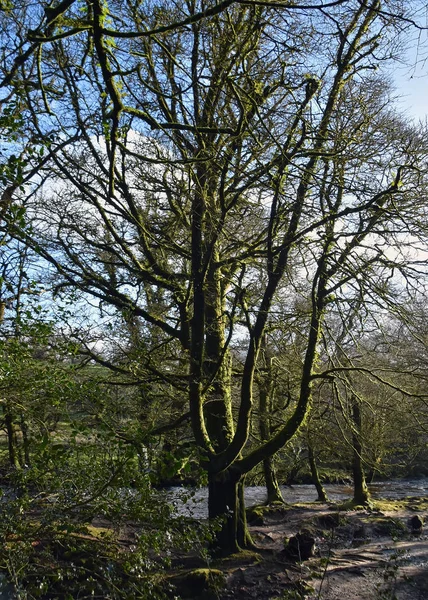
<point x="226" y="509"/>
<point x="226" y="488"/>
<point x="361" y="491"/>
<point x="322" y="494"/>
<point x="273" y="490"/>
<point x="25" y="440"/>
<point x="266" y="396"/>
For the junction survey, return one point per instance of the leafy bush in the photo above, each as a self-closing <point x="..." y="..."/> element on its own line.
<point x="83" y="522"/>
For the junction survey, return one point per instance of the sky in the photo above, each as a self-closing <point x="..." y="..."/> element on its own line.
<point x="411" y="78"/>
<point x="413" y="92"/>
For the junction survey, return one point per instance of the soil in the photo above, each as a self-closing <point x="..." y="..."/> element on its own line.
<point x="365" y="554"/>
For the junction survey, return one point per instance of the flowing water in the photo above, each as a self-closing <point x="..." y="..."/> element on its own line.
<point x="193" y="503"/>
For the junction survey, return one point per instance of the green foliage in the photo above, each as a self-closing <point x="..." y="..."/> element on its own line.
<point x="85" y="522"/>
<point x="35" y="386"/>
<point x="6" y="5"/>
<point x="12" y="124"/>
<point x="80" y="517"/>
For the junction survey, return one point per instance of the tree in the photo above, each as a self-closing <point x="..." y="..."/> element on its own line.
<point x="201" y="160"/>
<point x="266" y="385"/>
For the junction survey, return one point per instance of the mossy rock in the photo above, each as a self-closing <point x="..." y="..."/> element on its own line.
<point x="255" y="515"/>
<point x="199" y="583"/>
<point x="382" y="505"/>
<point x="417" y="504"/>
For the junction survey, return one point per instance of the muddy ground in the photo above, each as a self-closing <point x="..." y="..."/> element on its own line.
<point x="362" y="554"/>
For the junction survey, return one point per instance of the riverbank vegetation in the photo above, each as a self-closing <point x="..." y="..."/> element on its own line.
<point x="213" y="239"/>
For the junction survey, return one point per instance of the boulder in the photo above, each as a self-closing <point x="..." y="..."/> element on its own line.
<point x="199" y="583"/>
<point x="300" y="546"/>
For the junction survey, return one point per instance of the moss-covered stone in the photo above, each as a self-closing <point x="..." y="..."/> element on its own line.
<point x="243" y="557"/>
<point x="197" y="583"/>
<point x="389" y="505"/>
<point x="255" y="515"/>
<point x="410" y="503"/>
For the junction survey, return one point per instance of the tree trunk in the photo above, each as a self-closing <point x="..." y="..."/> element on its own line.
<point x="244" y="537"/>
<point x="266" y="396"/>
<point x="12" y="441"/>
<point x="226" y="505"/>
<point x="25" y="441"/>
<point x="217" y="364"/>
<point x="361" y="492"/>
<point x="322" y="494"/>
<point x="272" y="487"/>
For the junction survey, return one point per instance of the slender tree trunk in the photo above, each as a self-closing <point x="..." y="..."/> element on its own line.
<point x="322" y="494"/>
<point x="272" y="486"/>
<point x="225" y="489"/>
<point x="361" y="492"/>
<point x="217" y="365"/>
<point x="25" y="441"/>
<point x="266" y="392"/>
<point x="374" y="469"/>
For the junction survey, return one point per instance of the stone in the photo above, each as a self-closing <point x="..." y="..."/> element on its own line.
<point x="300" y="546"/>
<point x="255" y="516"/>
<point x="200" y="583"/>
<point x="416" y="524"/>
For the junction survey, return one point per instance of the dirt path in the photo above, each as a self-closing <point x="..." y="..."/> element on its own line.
<point x="359" y="555"/>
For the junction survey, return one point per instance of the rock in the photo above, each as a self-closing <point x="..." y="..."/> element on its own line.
<point x="255" y="515"/>
<point x="204" y="583"/>
<point x="300" y="546"/>
<point x="416" y="524"/>
<point x="360" y="533"/>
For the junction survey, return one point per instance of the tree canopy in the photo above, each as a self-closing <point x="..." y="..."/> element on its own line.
<point x="212" y="173"/>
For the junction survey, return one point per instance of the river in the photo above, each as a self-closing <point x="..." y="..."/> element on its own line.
<point x="193" y="503"/>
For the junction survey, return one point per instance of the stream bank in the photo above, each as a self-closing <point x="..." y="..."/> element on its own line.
<point x="359" y="555"/>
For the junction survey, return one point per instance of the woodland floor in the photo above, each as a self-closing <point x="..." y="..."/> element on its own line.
<point x="359" y="555"/>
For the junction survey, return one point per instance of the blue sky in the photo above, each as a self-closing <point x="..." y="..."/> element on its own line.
<point x="413" y="91"/>
<point x="411" y="78"/>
